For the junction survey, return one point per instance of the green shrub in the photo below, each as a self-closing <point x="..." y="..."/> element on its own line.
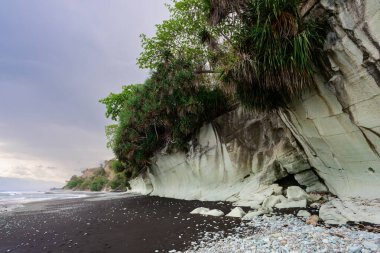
<point x="163" y="113"/>
<point x="94" y="183"/>
<point x="74" y="182"/>
<point x="118" y="166"/>
<point x="100" y="172"/>
<point x="97" y="183"/>
<point x="86" y="184"/>
<point x="119" y="182"/>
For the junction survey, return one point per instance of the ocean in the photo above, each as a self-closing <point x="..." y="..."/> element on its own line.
<point x="10" y="200"/>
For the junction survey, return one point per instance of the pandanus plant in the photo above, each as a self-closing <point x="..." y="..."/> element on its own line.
<point x="273" y="51"/>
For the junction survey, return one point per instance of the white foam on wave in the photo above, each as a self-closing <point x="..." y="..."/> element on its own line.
<point x="11" y="198"/>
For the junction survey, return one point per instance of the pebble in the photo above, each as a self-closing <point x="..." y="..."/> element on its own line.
<point x="286" y="233"/>
<point x="313" y="220"/>
<point x="354" y="249"/>
<point x="370" y="245"/>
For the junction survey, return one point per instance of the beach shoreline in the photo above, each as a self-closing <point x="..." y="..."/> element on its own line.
<point x="131" y="223"/>
<point x="124" y="222"/>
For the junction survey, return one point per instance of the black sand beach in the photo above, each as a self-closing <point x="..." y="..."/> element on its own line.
<point x="133" y="224"/>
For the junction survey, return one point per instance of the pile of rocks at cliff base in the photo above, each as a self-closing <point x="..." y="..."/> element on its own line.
<point x="288" y="233"/>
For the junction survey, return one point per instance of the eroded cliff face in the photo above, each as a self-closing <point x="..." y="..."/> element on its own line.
<point x="238" y="157"/>
<point x="330" y="137"/>
<point x="338" y="123"/>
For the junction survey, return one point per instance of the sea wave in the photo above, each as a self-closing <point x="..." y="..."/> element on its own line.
<point x="14" y="198"/>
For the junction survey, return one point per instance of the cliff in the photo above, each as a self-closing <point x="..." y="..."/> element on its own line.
<point x="338" y="123"/>
<point x="329" y="140"/>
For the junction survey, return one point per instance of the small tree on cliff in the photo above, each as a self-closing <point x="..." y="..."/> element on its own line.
<point x="163" y="113"/>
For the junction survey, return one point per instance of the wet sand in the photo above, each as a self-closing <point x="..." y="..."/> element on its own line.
<point x="133" y="224"/>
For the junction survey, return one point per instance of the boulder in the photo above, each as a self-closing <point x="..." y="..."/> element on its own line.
<point x="296" y="193"/>
<point x="207" y="212"/>
<point x="271" y="201"/>
<point x="339" y="211"/>
<point x="331" y="215"/>
<point x="236" y="212"/>
<point x="255" y="199"/>
<point x="303" y="213"/>
<point x="200" y="210"/>
<point x="214" y="212"/>
<point x="252" y="215"/>
<point x="292" y="204"/>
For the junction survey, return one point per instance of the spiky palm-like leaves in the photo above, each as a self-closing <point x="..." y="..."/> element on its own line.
<point x="220" y="9"/>
<point x="273" y="54"/>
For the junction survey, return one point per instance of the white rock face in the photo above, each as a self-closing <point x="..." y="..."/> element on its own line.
<point x="237" y="212"/>
<point x="311" y="181"/>
<point x="141" y="185"/>
<point x="239" y="162"/>
<point x="296" y="193"/>
<point x="292" y="204"/>
<point x="338" y="123"/>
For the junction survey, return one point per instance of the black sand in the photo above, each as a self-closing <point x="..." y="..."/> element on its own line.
<point x="135" y="224"/>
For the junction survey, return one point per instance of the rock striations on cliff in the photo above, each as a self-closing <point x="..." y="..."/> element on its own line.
<point x="328" y="141"/>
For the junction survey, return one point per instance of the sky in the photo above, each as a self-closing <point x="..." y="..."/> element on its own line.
<point x="57" y="59"/>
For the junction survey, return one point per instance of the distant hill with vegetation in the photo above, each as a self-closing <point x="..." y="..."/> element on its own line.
<point x="103" y="178"/>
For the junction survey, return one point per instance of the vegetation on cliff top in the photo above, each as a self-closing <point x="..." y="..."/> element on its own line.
<point x="163" y="113"/>
<point x="208" y="55"/>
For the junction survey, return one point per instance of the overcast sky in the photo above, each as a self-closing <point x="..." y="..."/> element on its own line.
<point x="57" y="59"/>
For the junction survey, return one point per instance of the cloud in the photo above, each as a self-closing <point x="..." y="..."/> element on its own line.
<point x="51" y="151"/>
<point x="18" y="184"/>
<point x="57" y="59"/>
